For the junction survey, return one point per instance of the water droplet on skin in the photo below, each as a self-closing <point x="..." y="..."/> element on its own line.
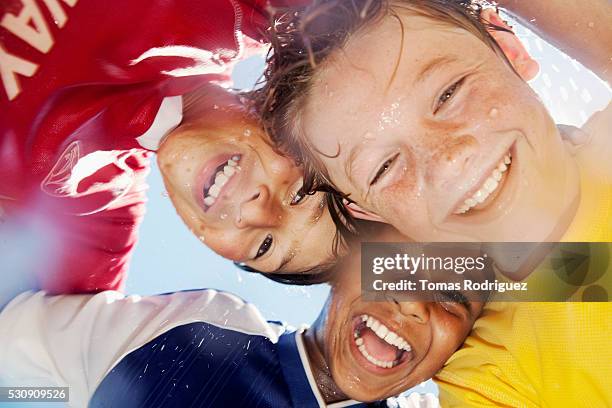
<point x="215" y="107"/>
<point x="202" y="238"/>
<point x="247" y="132"/>
<point x="591" y="24"/>
<point x="389" y="116"/>
<point x="493" y="113"/>
<point x="223" y="216"/>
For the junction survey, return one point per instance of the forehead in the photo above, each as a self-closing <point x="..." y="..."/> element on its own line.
<point x="378" y="66"/>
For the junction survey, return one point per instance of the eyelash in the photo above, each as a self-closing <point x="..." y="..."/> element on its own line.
<point x="265" y="246"/>
<point x="299" y="194"/>
<point x="383" y="169"/>
<point x="448" y="94"/>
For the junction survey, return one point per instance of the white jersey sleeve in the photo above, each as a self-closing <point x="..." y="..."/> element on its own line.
<point x="75" y="340"/>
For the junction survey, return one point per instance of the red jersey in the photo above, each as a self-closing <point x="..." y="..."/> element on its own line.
<point x="82" y="84"/>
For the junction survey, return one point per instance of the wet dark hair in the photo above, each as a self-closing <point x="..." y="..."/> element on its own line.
<point x="346" y="227"/>
<point x="303" y="39"/>
<point x="314" y="276"/>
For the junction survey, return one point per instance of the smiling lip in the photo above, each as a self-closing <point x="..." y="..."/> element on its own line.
<point x="378" y="348"/>
<point x="481" y="195"/>
<point x="205" y="181"/>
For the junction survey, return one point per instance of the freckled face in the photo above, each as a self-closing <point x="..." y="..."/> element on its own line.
<point x="241" y="198"/>
<point x="452" y="146"/>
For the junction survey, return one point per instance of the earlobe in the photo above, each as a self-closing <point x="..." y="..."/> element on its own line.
<point x="511" y="46"/>
<point x="357" y="212"/>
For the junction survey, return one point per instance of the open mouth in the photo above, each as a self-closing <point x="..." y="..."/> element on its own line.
<point x="489" y="189"/>
<point x="219" y="178"/>
<point x="379" y="345"/>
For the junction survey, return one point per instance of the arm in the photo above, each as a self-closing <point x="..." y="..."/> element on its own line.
<point x="75" y="340"/>
<point x="582" y="29"/>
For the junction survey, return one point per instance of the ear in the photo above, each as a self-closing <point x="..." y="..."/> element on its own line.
<point x="358" y="212"/>
<point x="515" y="51"/>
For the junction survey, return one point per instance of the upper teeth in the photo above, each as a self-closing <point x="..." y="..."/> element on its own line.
<point x="384" y="333"/>
<point x="221" y="178"/>
<point x="489" y="186"/>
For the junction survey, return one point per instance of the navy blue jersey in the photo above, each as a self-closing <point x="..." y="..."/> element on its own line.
<point x="203" y="365"/>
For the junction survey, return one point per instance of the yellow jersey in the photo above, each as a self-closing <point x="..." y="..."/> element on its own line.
<point x="542" y="354"/>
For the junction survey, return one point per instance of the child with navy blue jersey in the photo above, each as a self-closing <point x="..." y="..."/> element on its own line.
<point x="200" y="348"/>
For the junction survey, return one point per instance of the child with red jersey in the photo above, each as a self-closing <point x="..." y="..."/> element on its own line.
<point x="85" y="87"/>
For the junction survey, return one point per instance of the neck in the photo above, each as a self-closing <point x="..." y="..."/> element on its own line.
<point x="320" y="370"/>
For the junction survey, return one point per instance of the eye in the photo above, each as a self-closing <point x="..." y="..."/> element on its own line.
<point x="298" y="197"/>
<point x="299" y="194"/>
<point x="448" y="94"/>
<point x="453" y="301"/>
<point x="265" y="246"/>
<point x="383" y="169"/>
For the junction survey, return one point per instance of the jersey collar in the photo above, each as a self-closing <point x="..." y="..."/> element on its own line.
<point x="298" y="374"/>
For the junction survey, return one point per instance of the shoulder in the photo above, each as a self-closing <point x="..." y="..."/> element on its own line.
<point x="227" y="356"/>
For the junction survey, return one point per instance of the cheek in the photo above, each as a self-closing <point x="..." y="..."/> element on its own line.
<point x="449" y="335"/>
<point x="188" y="215"/>
<point x="221" y="242"/>
<point x="497" y="102"/>
<point x="281" y="165"/>
<point x="278" y="169"/>
<point x="405" y="197"/>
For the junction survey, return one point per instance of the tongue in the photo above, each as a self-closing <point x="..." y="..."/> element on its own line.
<point x="377" y="347"/>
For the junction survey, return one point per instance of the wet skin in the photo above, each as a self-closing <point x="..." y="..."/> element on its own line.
<point x="237" y="194"/>
<point x="453" y="146"/>
<point x="430" y="333"/>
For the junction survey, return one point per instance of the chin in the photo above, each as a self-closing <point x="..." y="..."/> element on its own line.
<point x="378" y="389"/>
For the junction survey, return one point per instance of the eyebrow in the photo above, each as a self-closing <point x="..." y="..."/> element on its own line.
<point x="432" y="66"/>
<point x="314" y="218"/>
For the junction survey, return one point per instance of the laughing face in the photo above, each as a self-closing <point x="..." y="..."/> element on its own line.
<point x="238" y="195"/>
<point x="379" y="349"/>
<point x="436" y="134"/>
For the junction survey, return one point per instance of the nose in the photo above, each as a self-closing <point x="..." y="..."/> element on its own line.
<point x="418" y="311"/>
<point x="258" y="210"/>
<point x="451" y="158"/>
